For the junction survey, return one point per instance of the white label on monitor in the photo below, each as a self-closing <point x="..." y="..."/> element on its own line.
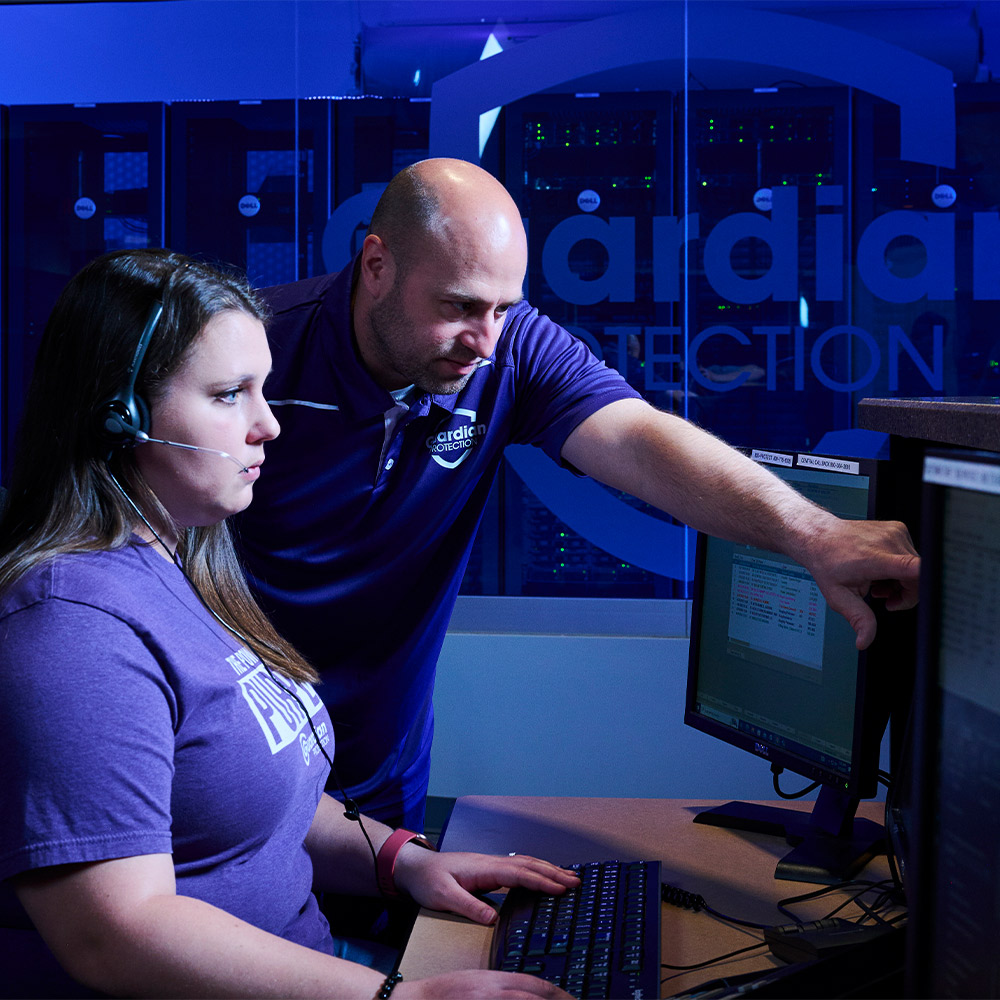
<point x="967" y="475"/>
<point x="777" y="608"/>
<point x="772" y="458"/>
<point x="829" y="464"/>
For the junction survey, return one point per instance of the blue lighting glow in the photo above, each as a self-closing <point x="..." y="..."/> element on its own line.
<point x="488" y="118"/>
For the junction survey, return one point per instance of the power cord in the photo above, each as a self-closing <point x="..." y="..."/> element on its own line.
<point x="776" y="770"/>
<point x="713" y="961"/>
<point x="887" y="897"/>
<point x="695" y="902"/>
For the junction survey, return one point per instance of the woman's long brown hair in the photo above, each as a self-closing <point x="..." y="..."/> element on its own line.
<point x="63" y="495"/>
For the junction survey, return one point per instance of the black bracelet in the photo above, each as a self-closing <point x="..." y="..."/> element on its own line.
<point x="388" y="986"/>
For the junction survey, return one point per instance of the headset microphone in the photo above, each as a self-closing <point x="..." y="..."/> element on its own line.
<point x="141" y="437"/>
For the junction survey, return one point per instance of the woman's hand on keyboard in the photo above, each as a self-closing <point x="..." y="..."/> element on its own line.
<point x="452" y="880"/>
<point x="477" y="984"/>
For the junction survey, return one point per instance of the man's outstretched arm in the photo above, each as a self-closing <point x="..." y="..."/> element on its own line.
<point x="685" y="471"/>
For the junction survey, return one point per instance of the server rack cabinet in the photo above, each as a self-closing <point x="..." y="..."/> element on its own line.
<point x="82" y="180"/>
<point x="249" y="183"/>
<point x="946" y="221"/>
<point x="590" y="173"/>
<point x="769" y="179"/>
<point x="375" y="138"/>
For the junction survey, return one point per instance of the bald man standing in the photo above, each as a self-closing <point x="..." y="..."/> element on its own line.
<point x="398" y="383"/>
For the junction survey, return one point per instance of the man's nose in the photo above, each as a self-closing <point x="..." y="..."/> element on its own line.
<point x="481" y="334"/>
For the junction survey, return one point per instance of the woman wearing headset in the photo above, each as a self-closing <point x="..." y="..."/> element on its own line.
<point x="164" y="820"/>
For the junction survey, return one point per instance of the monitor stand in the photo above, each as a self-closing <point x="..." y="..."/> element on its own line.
<point x="831" y="844"/>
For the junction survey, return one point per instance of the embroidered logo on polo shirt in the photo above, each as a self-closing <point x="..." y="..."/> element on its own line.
<point x="455" y="438"/>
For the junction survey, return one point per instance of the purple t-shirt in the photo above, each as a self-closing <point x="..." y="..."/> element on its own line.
<point x="133" y="724"/>
<point x="365" y="514"/>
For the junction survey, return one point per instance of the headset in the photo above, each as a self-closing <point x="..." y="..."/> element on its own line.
<point x="124" y="419"/>
<point x="125" y="416"/>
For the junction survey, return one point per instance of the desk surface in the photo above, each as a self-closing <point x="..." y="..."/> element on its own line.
<point x="733" y="871"/>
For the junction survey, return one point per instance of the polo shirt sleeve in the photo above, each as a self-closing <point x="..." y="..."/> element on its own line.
<point x="88" y="722"/>
<point x="558" y="381"/>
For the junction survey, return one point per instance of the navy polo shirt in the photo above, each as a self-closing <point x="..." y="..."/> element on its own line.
<point x="365" y="512"/>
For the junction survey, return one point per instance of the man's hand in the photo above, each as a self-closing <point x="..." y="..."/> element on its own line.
<point x="850" y="559"/>
<point x="686" y="472"/>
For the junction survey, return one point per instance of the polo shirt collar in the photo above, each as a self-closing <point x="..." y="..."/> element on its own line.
<point x="450" y="401"/>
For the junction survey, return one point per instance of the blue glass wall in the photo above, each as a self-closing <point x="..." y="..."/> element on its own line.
<point x="756" y="258"/>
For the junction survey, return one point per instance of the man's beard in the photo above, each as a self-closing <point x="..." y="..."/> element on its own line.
<point x="392" y="338"/>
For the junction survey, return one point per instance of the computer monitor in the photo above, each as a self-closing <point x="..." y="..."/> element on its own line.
<point x="774" y="671"/>
<point x="953" y="880"/>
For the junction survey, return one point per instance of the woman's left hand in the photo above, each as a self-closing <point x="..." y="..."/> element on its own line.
<point x="449" y="881"/>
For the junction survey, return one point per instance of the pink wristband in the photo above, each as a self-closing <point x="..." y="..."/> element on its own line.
<point x="385" y="864"/>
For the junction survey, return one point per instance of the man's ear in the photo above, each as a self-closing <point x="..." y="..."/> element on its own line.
<point x="378" y="269"/>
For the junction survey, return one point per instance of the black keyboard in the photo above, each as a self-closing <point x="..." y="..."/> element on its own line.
<point x="599" y="940"/>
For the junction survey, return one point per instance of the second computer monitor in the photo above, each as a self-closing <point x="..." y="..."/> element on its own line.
<point x="953" y="882"/>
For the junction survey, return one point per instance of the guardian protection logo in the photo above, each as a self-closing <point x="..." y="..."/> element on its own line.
<point x="455" y="438"/>
<point x="678" y="32"/>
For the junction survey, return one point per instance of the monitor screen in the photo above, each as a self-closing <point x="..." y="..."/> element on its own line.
<point x="953" y="885"/>
<point x="774" y="671"/>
